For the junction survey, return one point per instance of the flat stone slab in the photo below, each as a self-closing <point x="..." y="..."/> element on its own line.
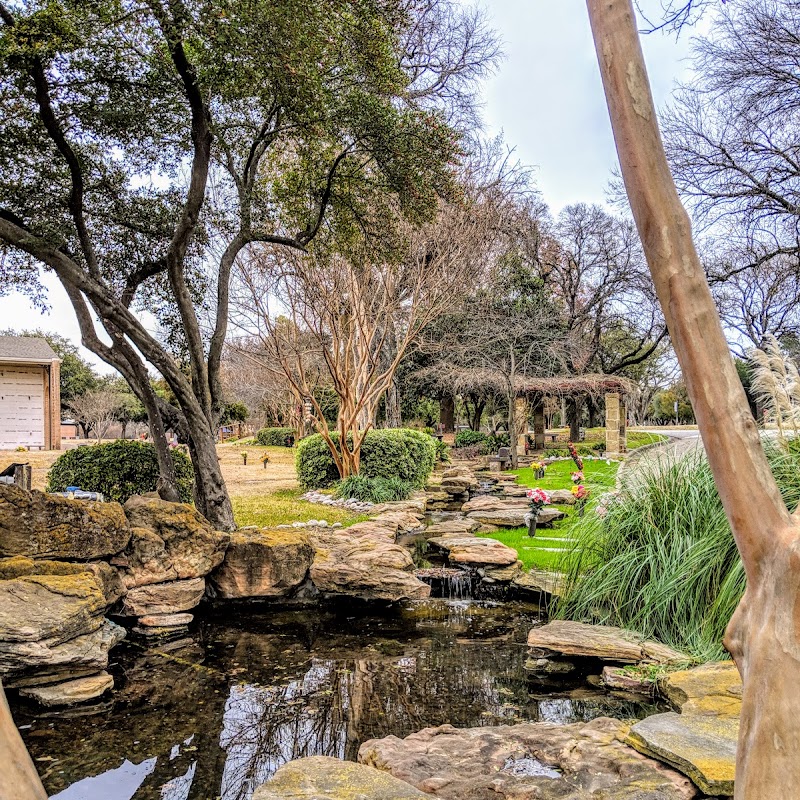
<point x="513" y="516"/>
<point x="460" y="527"/>
<point x="489" y="502"/>
<point x="528" y="761"/>
<point x="540" y="581"/>
<point x="164" y="598"/>
<point x="324" y="778"/>
<point x="165" y="620"/>
<point x="475" y="551"/>
<point x="701" y="747"/>
<point x="566" y="638"/>
<point x="714" y="688"/>
<point x="70" y="693"/>
<point x="562" y="497"/>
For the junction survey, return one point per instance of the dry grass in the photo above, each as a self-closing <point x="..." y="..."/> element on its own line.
<point x="263" y="497"/>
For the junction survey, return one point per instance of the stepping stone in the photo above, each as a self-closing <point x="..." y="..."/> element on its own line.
<point x="563" y="637"/>
<point x="713" y="688"/>
<point x="701" y="747"/>
<point x="539" y="581"/>
<point x="475" y="551"/>
<point x="459" y="527"/>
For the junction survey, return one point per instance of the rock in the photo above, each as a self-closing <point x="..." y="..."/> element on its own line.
<point x="40" y="525"/>
<point x="528" y="761"/>
<point x="616" y="678"/>
<point x="364" y="563"/>
<point x="54" y="656"/>
<point x="501" y="574"/>
<point x="55" y="608"/>
<point x="563" y="637"/>
<point x="547" y="516"/>
<point x="403" y="521"/>
<point x="324" y="778"/>
<point x="70" y="693"/>
<point x="436" y="497"/>
<point x="106" y="577"/>
<point x="504" y="517"/>
<point x="562" y="497"/>
<point x="450" y="527"/>
<point x="166" y="620"/>
<point x="263" y="564"/>
<point x="512" y="490"/>
<point x="549" y="666"/>
<point x="702" y="747"/>
<point x="538" y="581"/>
<point x="169" y="542"/>
<point x="488" y="502"/>
<point x="459" y="484"/>
<point x="415" y="504"/>
<point x="164" y="598"/>
<point x="475" y="551"/>
<point x="714" y="688"/>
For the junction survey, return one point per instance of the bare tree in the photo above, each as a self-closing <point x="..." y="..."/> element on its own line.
<point x="96" y="409"/>
<point x="763" y="635"/>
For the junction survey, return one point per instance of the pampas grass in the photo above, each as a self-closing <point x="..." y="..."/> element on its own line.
<point x="776" y="385"/>
<point x="663" y="561"/>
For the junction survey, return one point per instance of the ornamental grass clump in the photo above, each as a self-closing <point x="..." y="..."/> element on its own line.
<point x="661" y="560"/>
<point x="373" y="490"/>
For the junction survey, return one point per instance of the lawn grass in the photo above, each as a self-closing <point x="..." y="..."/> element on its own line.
<point x="534" y="553"/>
<point x="283" y="507"/>
<point x="638" y="439"/>
<point x="598" y="476"/>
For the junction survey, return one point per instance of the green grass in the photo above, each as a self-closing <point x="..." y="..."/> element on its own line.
<point x="285" y="507"/>
<point x="598" y="476"/>
<point x="534" y="553"/>
<point x="663" y="561"/>
<point x="638" y="439"/>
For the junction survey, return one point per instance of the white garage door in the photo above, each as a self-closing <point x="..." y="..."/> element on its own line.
<point x="21" y="407"/>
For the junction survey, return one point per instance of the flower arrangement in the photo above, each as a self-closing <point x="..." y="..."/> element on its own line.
<point x="243" y="454"/>
<point x="538" y="498"/>
<point x="264" y="459"/>
<point x="575" y="457"/>
<point x="538" y="468"/>
<point x="577" y="477"/>
<point x="581" y="495"/>
<point x="605" y="501"/>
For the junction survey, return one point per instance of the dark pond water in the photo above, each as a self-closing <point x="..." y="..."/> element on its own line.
<point x="214" y="715"/>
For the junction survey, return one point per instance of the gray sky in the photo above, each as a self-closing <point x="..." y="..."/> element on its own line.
<point x="546" y="98"/>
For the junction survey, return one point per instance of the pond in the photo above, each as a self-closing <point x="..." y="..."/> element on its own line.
<point x="214" y="714"/>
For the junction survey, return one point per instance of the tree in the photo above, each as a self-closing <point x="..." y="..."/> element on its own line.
<point x="298" y="112"/>
<point x="762" y="636"/>
<point x="96" y="410"/>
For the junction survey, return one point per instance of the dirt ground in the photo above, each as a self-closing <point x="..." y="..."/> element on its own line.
<point x="243" y="480"/>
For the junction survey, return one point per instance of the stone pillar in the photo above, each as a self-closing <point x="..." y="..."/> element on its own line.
<point x="54" y="409"/>
<point x="623" y="426"/>
<point x="614" y="407"/>
<point x="538" y="425"/>
<point x="521" y="420"/>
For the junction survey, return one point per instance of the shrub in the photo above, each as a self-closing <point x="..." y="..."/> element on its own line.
<point x="395" y="452"/>
<point x="374" y="490"/>
<point x="470" y="438"/>
<point x="118" y="470"/>
<point x="500" y="440"/>
<point x="442" y="451"/>
<point x="473" y="451"/>
<point x="662" y="560"/>
<point x="556" y="452"/>
<point x="275" y="437"/>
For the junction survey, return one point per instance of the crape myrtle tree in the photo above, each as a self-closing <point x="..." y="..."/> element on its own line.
<point x="764" y="634"/>
<point x="118" y="118"/>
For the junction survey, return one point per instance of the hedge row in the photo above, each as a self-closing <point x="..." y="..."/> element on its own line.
<point x="118" y="470"/>
<point x="275" y="437"/>
<point x="397" y="452"/>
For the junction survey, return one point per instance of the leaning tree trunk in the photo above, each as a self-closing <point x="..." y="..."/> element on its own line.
<point x="764" y="634"/>
<point x="19" y="779"/>
<point x="574" y="409"/>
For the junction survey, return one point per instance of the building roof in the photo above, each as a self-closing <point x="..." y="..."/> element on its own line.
<point x="26" y="350"/>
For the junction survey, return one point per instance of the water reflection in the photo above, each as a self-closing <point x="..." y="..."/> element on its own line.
<point x="215" y="715"/>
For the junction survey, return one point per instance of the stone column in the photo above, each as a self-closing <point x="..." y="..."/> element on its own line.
<point x="623" y="426"/>
<point x="538" y="425"/>
<point x="614" y="407"/>
<point x="521" y="419"/>
<point x="55" y="406"/>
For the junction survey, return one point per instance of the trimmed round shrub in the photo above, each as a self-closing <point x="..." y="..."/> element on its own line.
<point x="118" y="470"/>
<point x="392" y="453"/>
<point x="275" y="437"/>
<point x="471" y="438"/>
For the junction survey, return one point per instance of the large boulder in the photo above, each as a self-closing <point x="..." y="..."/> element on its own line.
<point x="263" y="564"/>
<point x="164" y="598"/>
<point x="514" y="516"/>
<point x="363" y="561"/>
<point x="402" y="521"/>
<point x="528" y="761"/>
<point x="169" y="542"/>
<point x="51" y="659"/>
<point x="324" y="778"/>
<point x="566" y="638"/>
<point x="713" y="689"/>
<point x="460" y="526"/>
<point x="49" y="607"/>
<point x="474" y="551"/>
<point x="40" y="525"/>
<point x="490" y="502"/>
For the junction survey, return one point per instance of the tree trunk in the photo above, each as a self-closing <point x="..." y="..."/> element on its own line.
<point x="19" y="780"/>
<point x="591" y="410"/>
<point x="447" y="413"/>
<point x="574" y="410"/>
<point x="393" y="417"/>
<point x="210" y="492"/>
<point x="764" y="634"/>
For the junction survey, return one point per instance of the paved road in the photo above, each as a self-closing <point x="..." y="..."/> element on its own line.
<point x="680" y="443"/>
